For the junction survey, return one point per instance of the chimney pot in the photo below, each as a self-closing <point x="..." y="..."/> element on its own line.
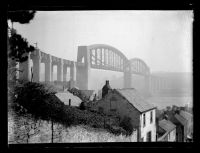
<point x="69" y="102"/>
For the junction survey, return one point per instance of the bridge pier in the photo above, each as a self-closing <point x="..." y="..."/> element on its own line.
<point x="127" y="78"/>
<point x="83" y="72"/>
<point x="52" y="72"/>
<point x="147" y="84"/>
<point x="48" y="69"/>
<point x="72" y="75"/>
<point x="72" y="72"/>
<point x="64" y="73"/>
<point x="36" y="65"/>
<point x="60" y="70"/>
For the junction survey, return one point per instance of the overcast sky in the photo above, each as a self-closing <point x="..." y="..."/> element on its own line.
<point x="163" y="39"/>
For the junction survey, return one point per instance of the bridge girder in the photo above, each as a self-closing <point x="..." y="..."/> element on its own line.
<point x="107" y="57"/>
<point x="138" y="66"/>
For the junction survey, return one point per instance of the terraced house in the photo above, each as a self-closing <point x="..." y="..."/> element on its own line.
<point x="166" y="131"/>
<point x="128" y="102"/>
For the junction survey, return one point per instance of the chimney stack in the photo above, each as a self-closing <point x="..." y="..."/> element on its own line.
<point x="107" y="82"/>
<point x="105" y="88"/>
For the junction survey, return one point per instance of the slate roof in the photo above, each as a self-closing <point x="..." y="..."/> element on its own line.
<point x="172" y="118"/>
<point x="166" y="125"/>
<point x="186" y="115"/>
<point x="182" y="120"/>
<point x="65" y="96"/>
<point x="133" y="96"/>
<point x="87" y="93"/>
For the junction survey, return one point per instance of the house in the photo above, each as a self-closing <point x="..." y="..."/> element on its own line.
<point x="106" y="88"/>
<point x="68" y="98"/>
<point x="99" y="94"/>
<point x="129" y="103"/>
<point x="89" y="94"/>
<point x="166" y="131"/>
<point x="172" y="116"/>
<point x="185" y="119"/>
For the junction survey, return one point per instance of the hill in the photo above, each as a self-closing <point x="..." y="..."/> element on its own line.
<point x="180" y="83"/>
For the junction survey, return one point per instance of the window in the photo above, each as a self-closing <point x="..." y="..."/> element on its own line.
<point x="144" y="120"/>
<point x="151" y="118"/>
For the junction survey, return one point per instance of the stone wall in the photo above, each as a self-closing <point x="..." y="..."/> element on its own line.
<point x="61" y="134"/>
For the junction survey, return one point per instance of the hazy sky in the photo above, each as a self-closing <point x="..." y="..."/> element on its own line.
<point x="163" y="39"/>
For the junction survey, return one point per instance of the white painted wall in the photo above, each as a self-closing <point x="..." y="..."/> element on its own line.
<point x="148" y="126"/>
<point x="172" y="136"/>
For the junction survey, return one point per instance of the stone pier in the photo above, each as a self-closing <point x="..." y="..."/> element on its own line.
<point x="83" y="72"/>
<point x="60" y="70"/>
<point x="127" y="77"/>
<point x="48" y="69"/>
<point x="36" y="57"/>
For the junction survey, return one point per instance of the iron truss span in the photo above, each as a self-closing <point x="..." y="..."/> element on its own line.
<point x="109" y="58"/>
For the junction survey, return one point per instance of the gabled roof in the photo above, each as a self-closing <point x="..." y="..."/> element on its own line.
<point x="87" y="93"/>
<point x="186" y="115"/>
<point x="166" y="125"/>
<point x="182" y="120"/>
<point x="133" y="97"/>
<point x="172" y="118"/>
<point x="65" y="96"/>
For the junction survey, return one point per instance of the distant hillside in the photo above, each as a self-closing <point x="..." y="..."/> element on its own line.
<point x="179" y="83"/>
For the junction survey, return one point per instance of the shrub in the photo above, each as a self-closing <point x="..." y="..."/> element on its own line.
<point x="40" y="101"/>
<point x="82" y="106"/>
<point x="127" y="125"/>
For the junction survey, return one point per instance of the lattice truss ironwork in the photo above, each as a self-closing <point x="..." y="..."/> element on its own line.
<point x="138" y="66"/>
<point x="108" y="58"/>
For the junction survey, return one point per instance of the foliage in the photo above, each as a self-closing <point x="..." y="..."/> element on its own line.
<point x="127" y="125"/>
<point x="19" y="48"/>
<point x="40" y="101"/>
<point x="82" y="106"/>
<point x="17" y="45"/>
<point x="21" y="16"/>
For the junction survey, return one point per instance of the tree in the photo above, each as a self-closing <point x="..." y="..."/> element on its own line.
<point x="127" y="125"/>
<point x="18" y="47"/>
<point x="22" y="17"/>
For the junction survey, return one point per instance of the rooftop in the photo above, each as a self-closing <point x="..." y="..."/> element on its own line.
<point x="65" y="96"/>
<point x="133" y="96"/>
<point x="166" y="125"/>
<point x="186" y="115"/>
<point x="181" y="119"/>
<point x="87" y="93"/>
